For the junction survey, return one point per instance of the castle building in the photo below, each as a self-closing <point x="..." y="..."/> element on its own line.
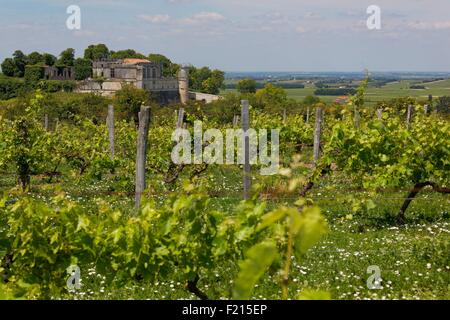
<point x="110" y="76"/>
<point x="59" y="73"/>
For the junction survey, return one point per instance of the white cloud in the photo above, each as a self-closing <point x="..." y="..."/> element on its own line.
<point x="433" y="25"/>
<point x="312" y="15"/>
<point x="202" y="18"/>
<point x="300" y="29"/>
<point x="159" y="18"/>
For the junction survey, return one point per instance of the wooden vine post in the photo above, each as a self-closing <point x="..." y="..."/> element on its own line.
<point x="180" y="118"/>
<point x="380" y="114"/>
<point x="141" y="154"/>
<point x="245" y="126"/>
<point x="409" y="116"/>
<point x="110" y="125"/>
<point x="46" y="122"/>
<point x="317" y="133"/>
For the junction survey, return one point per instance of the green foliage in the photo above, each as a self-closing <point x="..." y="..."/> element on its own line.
<point x="309" y="228"/>
<point x="259" y="258"/>
<point x="22" y="144"/>
<point x="358" y="98"/>
<point x="246" y="86"/>
<point x="35" y="58"/>
<point x="309" y="294"/>
<point x="8" y="67"/>
<point x="186" y="232"/>
<point x="33" y="73"/>
<point x="15" y="66"/>
<point x="443" y="105"/>
<point x="292" y="230"/>
<point x="206" y="80"/>
<point x="126" y="54"/>
<point x="169" y="69"/>
<point x="20" y="61"/>
<point x="270" y="96"/>
<point x="11" y="88"/>
<point x="96" y="52"/>
<point x="51" y="86"/>
<point x="48" y="59"/>
<point x="180" y="236"/>
<point x="129" y="99"/>
<point x="66" y="58"/>
<point x="334" y="91"/>
<point x="82" y="68"/>
<point x="398" y="105"/>
<point x="311" y="100"/>
<point x="387" y="154"/>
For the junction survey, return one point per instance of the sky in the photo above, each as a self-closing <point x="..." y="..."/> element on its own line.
<point x="242" y="35"/>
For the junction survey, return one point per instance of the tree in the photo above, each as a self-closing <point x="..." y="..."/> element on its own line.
<point x="8" y="67"/>
<point x="310" y="100"/>
<point x="96" y="52"/>
<point x="33" y="73"/>
<point x="67" y="57"/>
<point x="205" y="80"/>
<point x="443" y="105"/>
<point x="270" y="96"/>
<point x="130" y="99"/>
<point x="168" y="68"/>
<point x="214" y="83"/>
<point x="246" y="86"/>
<point x="48" y="59"/>
<point x="83" y="68"/>
<point x="197" y="76"/>
<point x="127" y="54"/>
<point x="35" y="58"/>
<point x="20" y="61"/>
<point x="358" y="98"/>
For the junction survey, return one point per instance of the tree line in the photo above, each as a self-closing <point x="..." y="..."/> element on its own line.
<point x="201" y="79"/>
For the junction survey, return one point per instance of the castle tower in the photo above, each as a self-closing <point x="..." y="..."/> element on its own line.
<point x="183" y="84"/>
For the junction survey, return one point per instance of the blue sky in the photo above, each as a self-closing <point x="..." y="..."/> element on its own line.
<point x="243" y="35"/>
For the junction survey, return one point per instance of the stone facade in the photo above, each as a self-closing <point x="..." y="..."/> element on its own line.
<point x="109" y="76"/>
<point x="205" y="97"/>
<point x="183" y="84"/>
<point x="59" y="73"/>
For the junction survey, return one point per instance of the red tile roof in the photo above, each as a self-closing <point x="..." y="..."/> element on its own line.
<point x="135" y="61"/>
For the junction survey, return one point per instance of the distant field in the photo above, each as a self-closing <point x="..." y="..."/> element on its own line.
<point x="389" y="91"/>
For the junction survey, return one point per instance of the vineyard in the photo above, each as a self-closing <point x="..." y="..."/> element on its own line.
<point x="358" y="189"/>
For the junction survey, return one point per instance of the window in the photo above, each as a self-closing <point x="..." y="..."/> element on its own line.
<point x="153" y="73"/>
<point x="113" y="73"/>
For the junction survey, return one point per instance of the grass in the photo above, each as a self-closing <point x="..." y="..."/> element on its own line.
<point x="414" y="260"/>
<point x="374" y="95"/>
